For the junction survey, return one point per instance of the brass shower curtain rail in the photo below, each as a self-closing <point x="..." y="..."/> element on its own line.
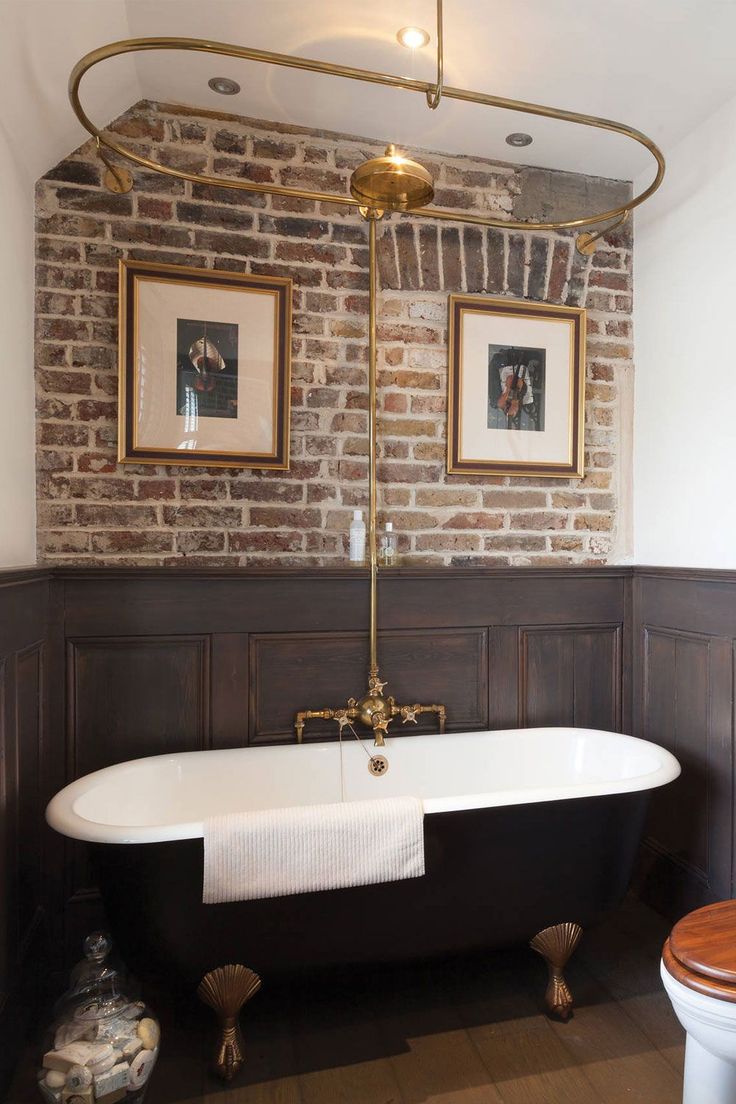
<point x="374" y="709"/>
<point x="427" y="89"/>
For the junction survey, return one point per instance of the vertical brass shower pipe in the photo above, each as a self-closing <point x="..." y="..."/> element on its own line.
<point x="372" y="216"/>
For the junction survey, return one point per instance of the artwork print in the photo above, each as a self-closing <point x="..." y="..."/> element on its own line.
<point x="516" y="388"/>
<point x="206" y="368"/>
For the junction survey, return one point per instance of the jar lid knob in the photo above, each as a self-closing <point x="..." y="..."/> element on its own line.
<point x="97" y="946"/>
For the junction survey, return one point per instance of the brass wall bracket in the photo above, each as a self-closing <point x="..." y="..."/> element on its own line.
<point x="115" y="179"/>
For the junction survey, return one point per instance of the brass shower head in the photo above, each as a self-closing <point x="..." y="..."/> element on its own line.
<point x="392" y="183"/>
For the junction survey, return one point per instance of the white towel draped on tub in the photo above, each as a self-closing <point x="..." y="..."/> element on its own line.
<point x="276" y="852"/>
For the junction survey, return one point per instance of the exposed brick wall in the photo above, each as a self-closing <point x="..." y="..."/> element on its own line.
<point x="92" y="509"/>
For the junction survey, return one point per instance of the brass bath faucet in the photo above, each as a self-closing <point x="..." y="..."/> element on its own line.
<point x="373" y="710"/>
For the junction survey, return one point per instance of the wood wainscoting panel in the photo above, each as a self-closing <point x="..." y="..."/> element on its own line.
<point x="229" y="678"/>
<point x="29" y="721"/>
<point x="24" y="604"/>
<point x="296" y="671"/>
<point x="570" y="675"/>
<point x="8" y="853"/>
<point x="687" y="681"/>
<point x="127" y="697"/>
<point x="133" y="696"/>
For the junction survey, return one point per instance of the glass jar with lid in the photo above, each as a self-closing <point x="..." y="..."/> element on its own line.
<point x="103" y="1046"/>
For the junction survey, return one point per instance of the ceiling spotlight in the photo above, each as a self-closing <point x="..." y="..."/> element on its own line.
<point x="413" y="37"/>
<point x="518" y="138"/>
<point x="224" y="86"/>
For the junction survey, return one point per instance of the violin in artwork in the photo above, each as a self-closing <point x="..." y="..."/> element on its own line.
<point x="509" y="402"/>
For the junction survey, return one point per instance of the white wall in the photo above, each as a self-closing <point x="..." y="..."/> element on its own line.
<point x="685" y="351"/>
<point x="39" y="43"/>
<point x="17" y="476"/>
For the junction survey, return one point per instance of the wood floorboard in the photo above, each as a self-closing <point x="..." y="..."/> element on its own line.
<point x="627" y="965"/>
<point x="466" y="1031"/>
<point x="618" y="1059"/>
<point x="335" y="1024"/>
<point x="516" y="1043"/>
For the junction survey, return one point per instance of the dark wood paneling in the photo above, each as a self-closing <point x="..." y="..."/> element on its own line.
<point x="503" y="683"/>
<point x="135" y="696"/>
<point x="570" y="676"/>
<point x="142" y="661"/>
<point x="293" y="671"/>
<point x="684" y="630"/>
<point x="142" y="601"/>
<point x="29" y="700"/>
<point x="687" y="677"/>
<point x="24" y="599"/>
<point x="128" y="697"/>
<point x="229" y="692"/>
<point x="8" y="871"/>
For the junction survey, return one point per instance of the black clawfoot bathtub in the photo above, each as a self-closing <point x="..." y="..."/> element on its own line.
<point x="524" y="829"/>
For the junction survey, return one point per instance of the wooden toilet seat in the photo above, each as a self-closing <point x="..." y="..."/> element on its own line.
<point x="700" y="952"/>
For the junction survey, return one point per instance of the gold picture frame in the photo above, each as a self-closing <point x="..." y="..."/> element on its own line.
<point x="516" y="388"/>
<point x="204" y="367"/>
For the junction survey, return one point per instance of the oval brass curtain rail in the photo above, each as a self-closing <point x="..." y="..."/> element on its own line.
<point x="430" y="91"/>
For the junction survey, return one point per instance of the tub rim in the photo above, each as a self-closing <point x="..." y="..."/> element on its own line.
<point x="61" y="814"/>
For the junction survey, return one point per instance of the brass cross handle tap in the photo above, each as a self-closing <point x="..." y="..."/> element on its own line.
<point x="380" y="729"/>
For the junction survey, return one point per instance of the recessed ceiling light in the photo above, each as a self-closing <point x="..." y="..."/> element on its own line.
<point x="413" y="37"/>
<point x="518" y="138"/>
<point x="224" y="86"/>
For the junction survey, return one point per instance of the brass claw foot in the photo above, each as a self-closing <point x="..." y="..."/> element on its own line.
<point x="226" y="990"/>
<point x="556" y="945"/>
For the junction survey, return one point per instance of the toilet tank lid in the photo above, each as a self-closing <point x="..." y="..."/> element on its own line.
<point x="704" y="941"/>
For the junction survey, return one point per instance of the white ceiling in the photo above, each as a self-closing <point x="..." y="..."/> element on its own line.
<point x="660" y="65"/>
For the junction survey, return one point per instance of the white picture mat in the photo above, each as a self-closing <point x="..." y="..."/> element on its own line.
<point x="156" y="423"/>
<point x="553" y="445"/>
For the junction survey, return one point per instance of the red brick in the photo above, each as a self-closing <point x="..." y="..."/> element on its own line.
<point x="127" y="541"/>
<point x="594" y="522"/>
<point x="110" y="517"/>
<point x="273" y="151"/>
<point x="200" y="540"/>
<point x="474" y="521"/>
<point x="277" y="517"/>
<point x="538" y="521"/>
<point x="448" y="542"/>
<point x="73" y="436"/>
<point x="203" y="517"/>
<point x="265" y="542"/>
<point x="208" y="489"/>
<point x="155" y="490"/>
<point x="92" y="410"/>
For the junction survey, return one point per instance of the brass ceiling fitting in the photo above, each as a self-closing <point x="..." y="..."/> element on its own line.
<point x="392" y="183"/>
<point x="433" y="92"/>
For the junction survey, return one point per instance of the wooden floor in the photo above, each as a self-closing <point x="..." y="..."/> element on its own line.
<point x="460" y="1032"/>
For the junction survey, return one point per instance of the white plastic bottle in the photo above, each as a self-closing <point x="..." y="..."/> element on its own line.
<point x="357" y="538"/>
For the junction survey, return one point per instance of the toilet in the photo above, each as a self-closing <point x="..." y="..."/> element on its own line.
<point x="699" y="973"/>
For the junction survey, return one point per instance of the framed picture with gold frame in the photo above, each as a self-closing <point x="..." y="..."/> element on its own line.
<point x="204" y="367"/>
<point x="516" y="388"/>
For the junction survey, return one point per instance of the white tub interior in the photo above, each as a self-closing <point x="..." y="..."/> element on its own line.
<point x="168" y="797"/>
